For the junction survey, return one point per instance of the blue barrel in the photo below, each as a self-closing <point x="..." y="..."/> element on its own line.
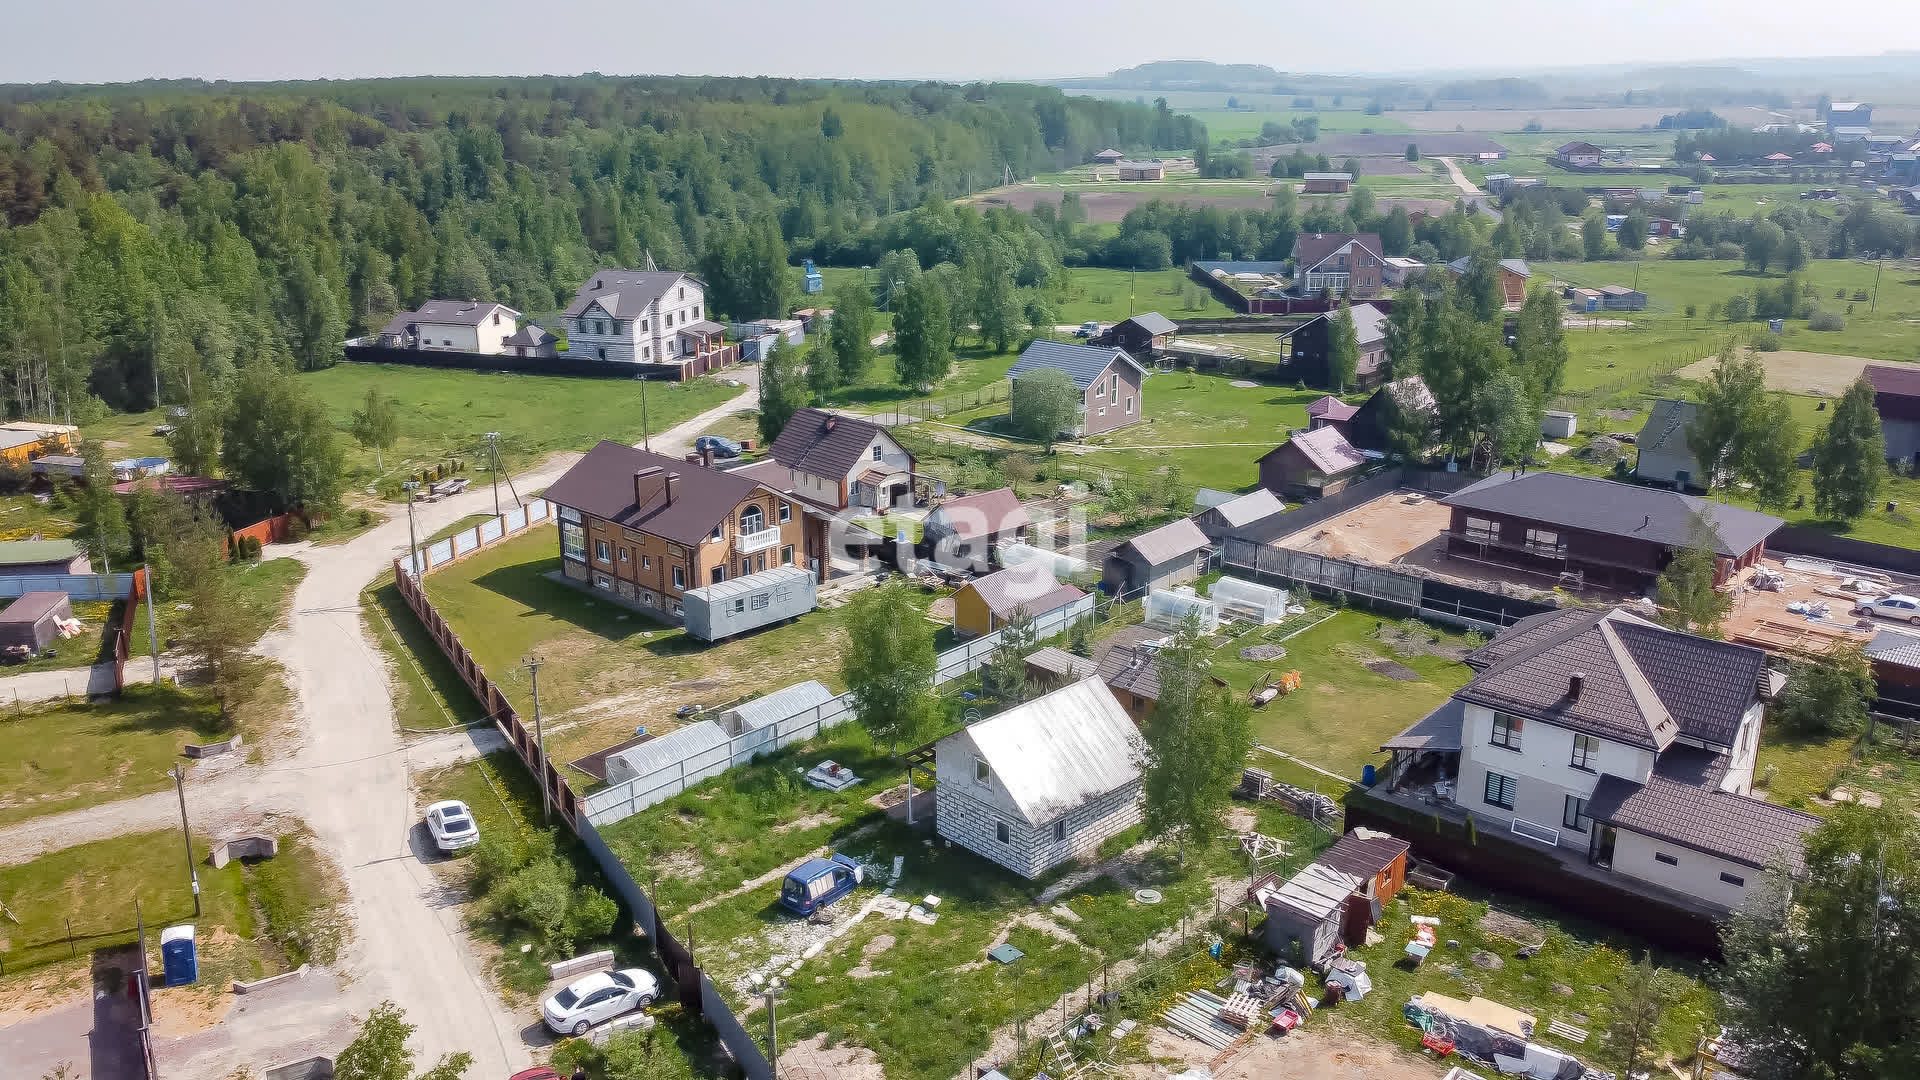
<point x="1366" y="775"/>
<point x="178" y="960"/>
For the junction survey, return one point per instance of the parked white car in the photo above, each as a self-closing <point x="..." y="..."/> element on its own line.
<point x="600" y="996"/>
<point x="1894" y="606"/>
<point x="451" y="825"/>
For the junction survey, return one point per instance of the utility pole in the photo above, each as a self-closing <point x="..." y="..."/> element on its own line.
<point x="539" y="736"/>
<point x="1878" y="265"/>
<point x="186" y="834"/>
<point x="153" y="635"/>
<point x="773" y="1037"/>
<point x="646" y="429"/>
<point x="493" y="466"/>
<point x="413" y="544"/>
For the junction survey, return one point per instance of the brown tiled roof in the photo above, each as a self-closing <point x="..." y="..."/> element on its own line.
<point x="1638" y="677"/>
<point x="1029" y="586"/>
<point x="1894" y="381"/>
<point x="1738" y="828"/>
<point x="818" y="442"/>
<point x="1331" y="408"/>
<point x="1309" y="249"/>
<point x="602" y="484"/>
<point x="984" y="514"/>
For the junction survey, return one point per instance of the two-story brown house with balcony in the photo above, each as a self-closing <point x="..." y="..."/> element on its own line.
<point x="647" y="527"/>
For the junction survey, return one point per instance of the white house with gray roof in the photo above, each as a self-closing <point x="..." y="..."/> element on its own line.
<point x="1041" y="783"/>
<point x="465" y="326"/>
<point x="642" y="317"/>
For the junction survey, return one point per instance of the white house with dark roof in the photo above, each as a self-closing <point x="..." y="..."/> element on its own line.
<point x="645" y="317"/>
<point x="1613" y="742"/>
<point x="1043" y="782"/>
<point x="466" y="326"/>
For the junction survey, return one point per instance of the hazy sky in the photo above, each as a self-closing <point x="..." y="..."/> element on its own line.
<point x="113" y="40"/>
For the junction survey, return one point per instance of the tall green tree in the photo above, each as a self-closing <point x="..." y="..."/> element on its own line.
<point x="1685" y="591"/>
<point x="1732" y="404"/>
<point x="1830" y="693"/>
<point x="379" y="1051"/>
<point x="851" y="330"/>
<point x="1540" y="346"/>
<point x="1508" y="418"/>
<point x="783" y="390"/>
<point x="889" y="663"/>
<point x="1633" y="231"/>
<point x="1404" y="343"/>
<point x="376" y="425"/>
<point x="1343" y="349"/>
<point x="1770" y="459"/>
<point x="102" y="518"/>
<point x="1005" y="674"/>
<point x="1197" y="738"/>
<point x="823" y="369"/>
<point x="1640" y="999"/>
<point x="195" y="438"/>
<point x="212" y="626"/>
<point x="1462" y="353"/>
<point x="996" y="302"/>
<point x="1764" y="242"/>
<point x="1479" y="290"/>
<point x="1818" y="982"/>
<point x="1044" y="404"/>
<point x="1593" y="236"/>
<point x="1849" y="457"/>
<point x="279" y="440"/>
<point x="922" y="333"/>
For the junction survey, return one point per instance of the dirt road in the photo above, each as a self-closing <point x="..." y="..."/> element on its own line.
<point x="1460" y="179"/>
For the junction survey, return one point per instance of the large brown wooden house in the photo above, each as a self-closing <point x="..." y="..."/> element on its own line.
<point x="648" y="527"/>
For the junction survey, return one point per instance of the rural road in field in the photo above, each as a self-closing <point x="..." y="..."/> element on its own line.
<point x="1473" y="195"/>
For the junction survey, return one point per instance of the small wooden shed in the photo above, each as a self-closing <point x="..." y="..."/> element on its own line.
<point x="31" y="622"/>
<point x="1335" y="898"/>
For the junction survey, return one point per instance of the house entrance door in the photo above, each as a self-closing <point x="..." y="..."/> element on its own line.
<point x="1601" y="851"/>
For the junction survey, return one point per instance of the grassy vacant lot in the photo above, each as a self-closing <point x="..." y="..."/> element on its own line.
<point x="1366" y="678"/>
<point x="257" y="920"/>
<point x="1569" y="979"/>
<point x="427" y="693"/>
<point x="1097" y="293"/>
<point x="875" y="985"/>
<point x="67" y="757"/>
<point x="22" y="517"/>
<point x="1672" y="284"/>
<point x="608" y="669"/>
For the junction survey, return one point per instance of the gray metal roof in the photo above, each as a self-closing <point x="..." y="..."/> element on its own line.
<point x="448" y="313"/>
<point x="752" y="583"/>
<point x="1082" y="363"/>
<point x="1249" y="508"/>
<point x="1058" y="751"/>
<point x="1152" y="322"/>
<point x="1438" y="730"/>
<point x="1171" y="541"/>
<point x="1059" y="661"/>
<point x="1738" y="828"/>
<point x="1665" y="431"/>
<point x="1029" y="587"/>
<point x="770" y="709"/>
<point x="1328" y="176"/>
<point x="1612" y="508"/>
<point x="624" y="294"/>
<point x="1895" y="647"/>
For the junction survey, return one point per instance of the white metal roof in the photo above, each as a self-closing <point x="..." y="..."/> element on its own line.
<point x="1061" y="750"/>
<point x="777" y="706"/>
<point x="1315" y="892"/>
<point x="752" y="583"/>
<point x="672" y="748"/>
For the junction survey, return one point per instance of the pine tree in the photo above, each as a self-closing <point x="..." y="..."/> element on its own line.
<point x="1343" y="350"/>
<point x="1849" y="457"/>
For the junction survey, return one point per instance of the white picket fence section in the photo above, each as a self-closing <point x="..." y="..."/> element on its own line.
<point x="444" y="551"/>
<point x="629" y="797"/>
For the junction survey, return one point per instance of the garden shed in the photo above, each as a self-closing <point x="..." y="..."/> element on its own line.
<point x="33" y="621"/>
<point x="1335" y="898"/>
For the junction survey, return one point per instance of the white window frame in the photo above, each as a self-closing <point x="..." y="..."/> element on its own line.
<point x="1481" y="531"/>
<point x="1507" y="735"/>
<point x="679" y="577"/>
<point x="1585" y="749"/>
<point x="786" y="512"/>
<point x="602" y="551"/>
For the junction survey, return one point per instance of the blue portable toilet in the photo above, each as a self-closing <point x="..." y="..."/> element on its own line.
<point x="1367" y="775"/>
<point x="814" y="283"/>
<point x="178" y="960"/>
<point x="1777" y="325"/>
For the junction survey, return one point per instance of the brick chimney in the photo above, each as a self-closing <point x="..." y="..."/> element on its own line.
<point x="673" y="481"/>
<point x="1575" y="683"/>
<point x="647" y="485"/>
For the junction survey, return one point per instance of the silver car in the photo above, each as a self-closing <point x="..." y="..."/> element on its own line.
<point x="600" y="996"/>
<point x="1895" y="606"/>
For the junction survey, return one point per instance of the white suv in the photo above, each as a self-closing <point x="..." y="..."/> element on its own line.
<point x="1895" y="606"/>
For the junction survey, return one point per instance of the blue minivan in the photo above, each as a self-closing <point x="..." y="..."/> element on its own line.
<point x="819" y="882"/>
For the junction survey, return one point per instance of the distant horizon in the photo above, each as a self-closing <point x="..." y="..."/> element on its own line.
<point x="120" y="41"/>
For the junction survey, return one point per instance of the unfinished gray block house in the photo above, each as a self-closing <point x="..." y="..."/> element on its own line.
<point x="1041" y="783"/>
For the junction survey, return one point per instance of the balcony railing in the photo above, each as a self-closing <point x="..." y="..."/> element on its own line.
<point x="748" y="543"/>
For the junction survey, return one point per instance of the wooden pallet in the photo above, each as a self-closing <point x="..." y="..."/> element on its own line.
<point x="1567" y="1031"/>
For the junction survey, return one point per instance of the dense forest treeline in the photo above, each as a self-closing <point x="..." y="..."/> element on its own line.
<point x="160" y="237"/>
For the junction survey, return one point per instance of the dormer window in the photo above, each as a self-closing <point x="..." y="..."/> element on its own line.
<point x="876" y="451"/>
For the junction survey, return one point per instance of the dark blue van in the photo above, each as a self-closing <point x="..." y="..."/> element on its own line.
<point x="819" y="882"/>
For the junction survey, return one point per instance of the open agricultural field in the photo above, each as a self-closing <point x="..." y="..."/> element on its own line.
<point x="1745" y="200"/>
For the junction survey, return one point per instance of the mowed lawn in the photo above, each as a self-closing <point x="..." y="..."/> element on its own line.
<point x="598" y="653"/>
<point x="67" y="757"/>
<point x="1345" y="709"/>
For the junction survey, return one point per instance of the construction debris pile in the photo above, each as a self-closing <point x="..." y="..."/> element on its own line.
<point x="1258" y="784"/>
<point x="1493" y="1036"/>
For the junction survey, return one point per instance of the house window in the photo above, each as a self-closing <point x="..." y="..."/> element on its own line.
<point x="719" y="574"/>
<point x="1585" y="749"/>
<point x="752" y="519"/>
<point x="696" y="311"/>
<point x="1733" y="879"/>
<point x="568" y="513"/>
<point x="981" y="773"/>
<point x="602" y="581"/>
<point x="683" y="293"/>
<point x="1129" y="406"/>
<point x="646" y="352"/>
<point x="746" y="567"/>
<point x="1545" y="542"/>
<point x="759" y="601"/>
<point x="1500" y="791"/>
<point x="1482" y="531"/>
<point x="786" y="513"/>
<point x="646" y="563"/>
<point x="643" y="326"/>
<point x="1663" y="857"/>
<point x="1001" y="831"/>
<point x="678" y="611"/>
<point x="715" y="535"/>
<point x="602" y="350"/>
<point x="646" y="597"/>
<point x="601" y="552"/>
<point x="1060" y="831"/>
<point x="876" y="451"/>
<point x="624" y="555"/>
<point x="679" y="577"/>
<point x="786" y="555"/>
<point x="1506" y="731"/>
<point x="573" y="541"/>
<point x="1575" y="815"/>
<point x="739" y="605"/>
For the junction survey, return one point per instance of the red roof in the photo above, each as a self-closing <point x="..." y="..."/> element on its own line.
<point x="177" y="485"/>
<point x="1779" y="157"/>
<point x="985" y="514"/>
<point x="1894" y="381"/>
<point x="1331" y="408"/>
<point x="1822" y="148"/>
<point x="1706" y="157"/>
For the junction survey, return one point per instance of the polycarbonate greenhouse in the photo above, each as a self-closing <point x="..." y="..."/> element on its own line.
<point x="1246" y="600"/>
<point x="1064" y="567"/>
<point x="1168" y="608"/>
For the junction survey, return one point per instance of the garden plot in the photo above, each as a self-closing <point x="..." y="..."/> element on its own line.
<point x="1821" y="374"/>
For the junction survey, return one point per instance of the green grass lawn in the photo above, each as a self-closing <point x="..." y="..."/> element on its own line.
<point x="256" y="920"/>
<point x="1672" y="284"/>
<point x="506" y="610"/>
<point x="428" y="693"/>
<point x="1745" y="200"/>
<point x="1104" y="295"/>
<point x="67" y="757"/>
<point x="22" y="517"/>
<point x="977" y="370"/>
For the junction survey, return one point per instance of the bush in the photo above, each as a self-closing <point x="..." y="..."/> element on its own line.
<point x="1767" y="342"/>
<point x="1729" y="251"/>
<point x="535" y="897"/>
<point x="1827" y="321"/>
<point x="1691" y="309"/>
<point x="591" y="915"/>
<point x="1738" y="308"/>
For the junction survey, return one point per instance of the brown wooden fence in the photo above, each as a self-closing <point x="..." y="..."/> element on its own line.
<point x="123" y="636"/>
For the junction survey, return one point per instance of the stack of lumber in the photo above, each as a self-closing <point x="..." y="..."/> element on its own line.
<point x="1197" y="1015"/>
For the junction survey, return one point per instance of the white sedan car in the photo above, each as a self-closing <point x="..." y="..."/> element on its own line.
<point x="1896" y="606"/>
<point x="452" y="826"/>
<point x="600" y="996"/>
